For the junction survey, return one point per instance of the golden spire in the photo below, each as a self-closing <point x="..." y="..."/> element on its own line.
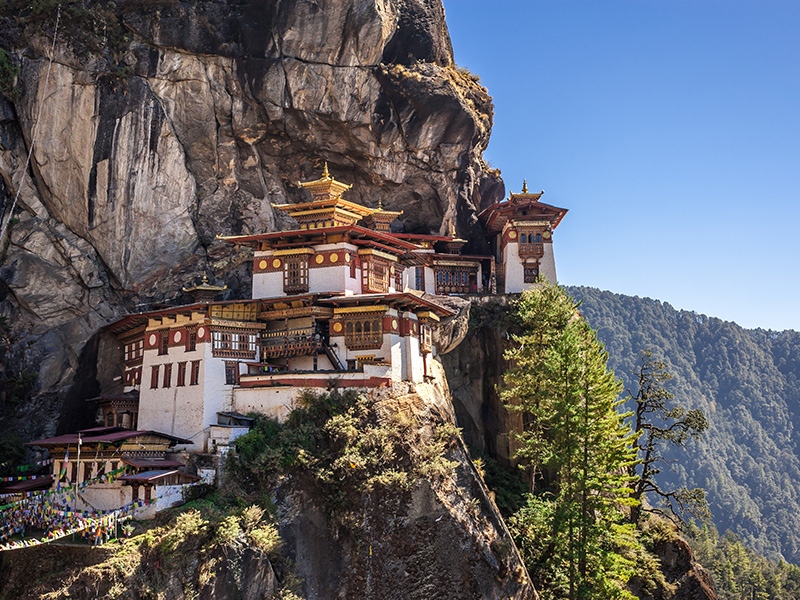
<point x="380" y="204"/>
<point x="325" y="173"/>
<point x="452" y="229"/>
<point x="524" y="186"/>
<point x="205" y="279"/>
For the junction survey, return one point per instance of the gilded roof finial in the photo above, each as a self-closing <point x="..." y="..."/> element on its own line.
<point x="524" y="186"/>
<point x="205" y="279"/>
<point x="380" y="204"/>
<point x="325" y="173"/>
<point x="452" y="229"/>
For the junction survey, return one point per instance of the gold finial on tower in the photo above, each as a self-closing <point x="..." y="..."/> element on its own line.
<point x="524" y="186"/>
<point x="452" y="229"/>
<point x="325" y="173"/>
<point x="380" y="204"/>
<point x="205" y="279"/>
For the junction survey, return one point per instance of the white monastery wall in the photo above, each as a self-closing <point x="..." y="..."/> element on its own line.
<point x="176" y="410"/>
<point x="515" y="276"/>
<point x="218" y="395"/>
<point x="273" y="402"/>
<point x="268" y="285"/>
<point x="547" y="264"/>
<point x="104" y="496"/>
<point x="397" y="348"/>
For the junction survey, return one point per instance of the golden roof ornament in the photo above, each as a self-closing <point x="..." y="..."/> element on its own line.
<point x="524" y="186"/>
<point x="380" y="219"/>
<point x="204" y="291"/>
<point x="326" y="187"/>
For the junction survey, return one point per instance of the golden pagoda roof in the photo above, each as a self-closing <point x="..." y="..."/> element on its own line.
<point x="308" y="208"/>
<point x="525" y="205"/>
<point x="204" y="286"/>
<point x="325" y="186"/>
<point x="327" y="208"/>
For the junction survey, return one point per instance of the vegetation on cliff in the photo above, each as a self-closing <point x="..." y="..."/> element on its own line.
<point x="574" y="530"/>
<point x="337" y="447"/>
<point x="738" y="572"/>
<point x="202" y="550"/>
<point x="577" y="521"/>
<point x="747" y="382"/>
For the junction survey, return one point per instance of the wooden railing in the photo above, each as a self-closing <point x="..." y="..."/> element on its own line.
<point x="363" y="341"/>
<point x="535" y="249"/>
<point x="290" y="342"/>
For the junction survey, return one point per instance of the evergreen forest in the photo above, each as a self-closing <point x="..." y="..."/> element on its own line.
<point x="747" y="383"/>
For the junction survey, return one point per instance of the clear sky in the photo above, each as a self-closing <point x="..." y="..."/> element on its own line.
<point x="671" y="131"/>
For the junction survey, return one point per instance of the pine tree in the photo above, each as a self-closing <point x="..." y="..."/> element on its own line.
<point x="579" y="450"/>
<point x="658" y="424"/>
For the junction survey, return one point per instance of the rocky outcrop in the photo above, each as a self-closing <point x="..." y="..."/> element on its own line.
<point x="443" y="538"/>
<point x="474" y="370"/>
<point x="688" y="579"/>
<point x="165" y="123"/>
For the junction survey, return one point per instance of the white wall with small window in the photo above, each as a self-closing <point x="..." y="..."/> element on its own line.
<point x="173" y="392"/>
<point x="515" y="265"/>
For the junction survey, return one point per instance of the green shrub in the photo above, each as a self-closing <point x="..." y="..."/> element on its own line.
<point x="337" y="446"/>
<point x="8" y="76"/>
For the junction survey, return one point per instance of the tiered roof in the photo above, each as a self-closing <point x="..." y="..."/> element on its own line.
<point x="521" y="207"/>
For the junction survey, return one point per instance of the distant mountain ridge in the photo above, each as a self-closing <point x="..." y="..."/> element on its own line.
<point x="748" y="384"/>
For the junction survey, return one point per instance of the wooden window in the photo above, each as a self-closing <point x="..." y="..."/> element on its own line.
<point x="375" y="276"/>
<point x="419" y="278"/>
<point x="168" y="375"/>
<point x="364" y="332"/>
<point x="134" y="350"/>
<point x="424" y="337"/>
<point x="163" y="342"/>
<point x="181" y="374"/>
<point x="195" y="376"/>
<point x="530" y="244"/>
<point x="154" y="377"/>
<point x="531" y="273"/>
<point x="353" y="268"/>
<point x="455" y="280"/>
<point x="234" y="345"/>
<point x="231" y="373"/>
<point x="295" y="274"/>
<point x="191" y="340"/>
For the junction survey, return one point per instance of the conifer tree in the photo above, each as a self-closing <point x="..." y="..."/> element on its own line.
<point x="573" y="530"/>
<point x="658" y="423"/>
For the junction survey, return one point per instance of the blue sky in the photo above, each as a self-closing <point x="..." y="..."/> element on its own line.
<point x="669" y="128"/>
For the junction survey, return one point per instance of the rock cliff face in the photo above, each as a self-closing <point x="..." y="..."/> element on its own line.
<point x="160" y="124"/>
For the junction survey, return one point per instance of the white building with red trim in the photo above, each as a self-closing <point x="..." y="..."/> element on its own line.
<point x="338" y="299"/>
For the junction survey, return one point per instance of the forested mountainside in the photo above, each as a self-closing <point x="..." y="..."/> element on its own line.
<point x="748" y="384"/>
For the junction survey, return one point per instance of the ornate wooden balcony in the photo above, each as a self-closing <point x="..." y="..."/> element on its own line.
<point x="534" y="249"/>
<point x="299" y="341"/>
<point x="364" y="340"/>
